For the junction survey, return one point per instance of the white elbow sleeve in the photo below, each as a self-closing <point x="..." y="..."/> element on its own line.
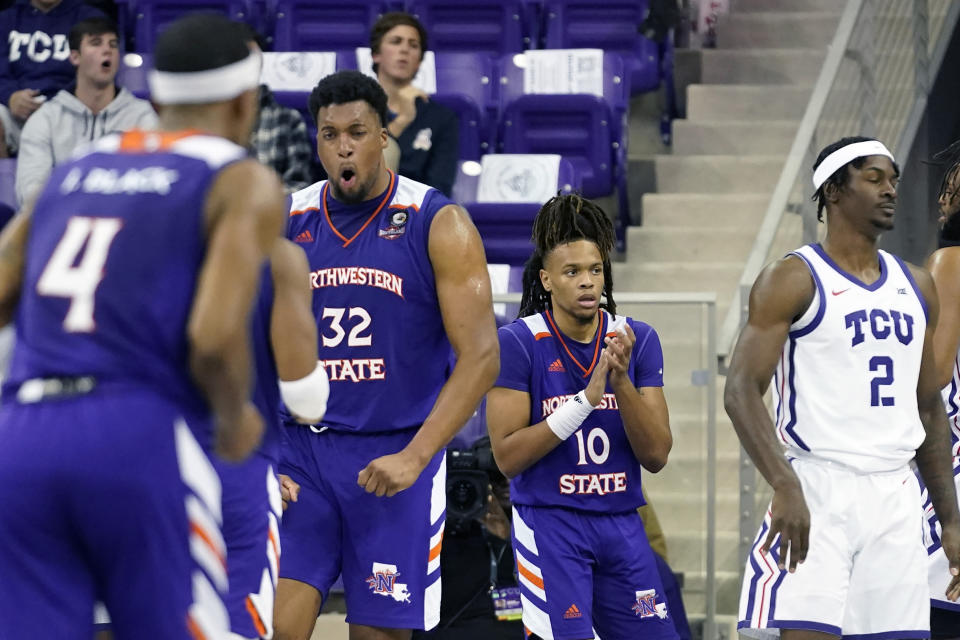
<point x="306" y="398"/>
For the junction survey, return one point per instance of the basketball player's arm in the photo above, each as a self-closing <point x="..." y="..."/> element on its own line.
<point x="646" y="420"/>
<point x="293" y="328"/>
<point x="466" y="304"/>
<point x="944" y="266"/>
<point x="244" y="214"/>
<point x="934" y="460"/>
<point x="13" y="245"/>
<point x="517" y="444"/>
<point x="782" y="292"/>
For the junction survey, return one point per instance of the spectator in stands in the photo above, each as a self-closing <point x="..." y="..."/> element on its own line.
<point x="279" y="139"/>
<point x="426" y="132"/>
<point x="87" y="110"/>
<point x="35" y="64"/>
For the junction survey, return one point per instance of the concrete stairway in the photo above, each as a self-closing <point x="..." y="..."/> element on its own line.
<point x="698" y="228"/>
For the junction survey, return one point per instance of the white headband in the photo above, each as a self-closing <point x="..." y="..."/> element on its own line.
<point x="211" y="85"/>
<point x="844" y="155"/>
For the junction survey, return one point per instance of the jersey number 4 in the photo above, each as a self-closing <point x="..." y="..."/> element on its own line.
<point x="75" y="268"/>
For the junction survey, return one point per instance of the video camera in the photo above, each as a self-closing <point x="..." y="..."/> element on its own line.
<point x="469" y="473"/>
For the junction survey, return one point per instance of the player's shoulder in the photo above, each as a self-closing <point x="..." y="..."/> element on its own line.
<point x="794" y="273"/>
<point x="641" y="329"/>
<point x="527" y="329"/>
<point x="214" y="151"/>
<point x="306" y="199"/>
<point x="420" y="197"/>
<point x="914" y="270"/>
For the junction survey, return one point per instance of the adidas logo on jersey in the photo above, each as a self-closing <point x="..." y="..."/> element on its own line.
<point x="556" y="365"/>
<point x="304" y="236"/>
<point x="572" y="612"/>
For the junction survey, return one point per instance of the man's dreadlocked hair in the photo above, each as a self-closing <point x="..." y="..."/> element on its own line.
<point x="563" y="219"/>
<point x="949" y="158"/>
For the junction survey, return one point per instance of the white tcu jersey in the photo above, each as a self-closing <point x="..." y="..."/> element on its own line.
<point x="845" y="388"/>
<point x="951" y="401"/>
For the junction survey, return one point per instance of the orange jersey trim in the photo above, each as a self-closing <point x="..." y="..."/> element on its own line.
<point x="529" y="575"/>
<point x="435" y="552"/>
<point x="542" y="335"/>
<point x="596" y="347"/>
<point x="326" y="213"/>
<point x="300" y="212"/>
<point x="194" y="629"/>
<point x="273" y="543"/>
<point x="257" y="622"/>
<point x="195" y="528"/>
<point x="135" y="140"/>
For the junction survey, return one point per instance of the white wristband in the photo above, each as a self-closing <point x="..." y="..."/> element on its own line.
<point x="306" y="398"/>
<point x="571" y="414"/>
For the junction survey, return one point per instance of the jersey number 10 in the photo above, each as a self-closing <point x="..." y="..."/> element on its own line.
<point x="590" y="446"/>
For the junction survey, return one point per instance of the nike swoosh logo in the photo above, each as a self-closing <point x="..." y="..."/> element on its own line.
<point x="836" y="293"/>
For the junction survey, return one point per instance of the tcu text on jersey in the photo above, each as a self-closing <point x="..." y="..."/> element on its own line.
<point x="880" y="324"/>
<point x="38" y="46"/>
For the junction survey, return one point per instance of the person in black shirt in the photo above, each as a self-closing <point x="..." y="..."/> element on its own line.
<point x="426" y="132"/>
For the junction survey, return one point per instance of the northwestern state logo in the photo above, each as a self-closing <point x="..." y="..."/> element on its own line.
<point x="384" y="582"/>
<point x="397" y="226"/>
<point x="647" y="606"/>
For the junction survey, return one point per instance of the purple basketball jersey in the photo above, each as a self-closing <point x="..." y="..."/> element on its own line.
<point x="594" y="469"/>
<point x="116" y="242"/>
<point x="382" y="338"/>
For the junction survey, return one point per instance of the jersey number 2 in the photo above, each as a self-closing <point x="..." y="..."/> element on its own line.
<point x="876" y="364"/>
<point x="68" y="274"/>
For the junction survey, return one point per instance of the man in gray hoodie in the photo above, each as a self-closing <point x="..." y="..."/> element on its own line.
<point x="90" y="109"/>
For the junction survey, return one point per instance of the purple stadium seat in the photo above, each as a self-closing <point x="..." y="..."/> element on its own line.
<point x="610" y="25"/>
<point x="134" y="77"/>
<point x="149" y="17"/>
<point x="465" y="84"/>
<point x="505" y="226"/>
<point x="8" y="175"/>
<point x="324" y="25"/>
<point x="493" y="27"/>
<point x="575" y="126"/>
<point x="589" y="131"/>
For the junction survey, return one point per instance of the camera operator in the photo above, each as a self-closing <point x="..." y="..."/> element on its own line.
<point x="476" y="560"/>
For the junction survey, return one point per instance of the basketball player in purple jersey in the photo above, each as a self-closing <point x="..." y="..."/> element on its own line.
<point x="132" y="280"/>
<point x="944" y="265"/>
<point x="399" y="277"/>
<point x="578" y="409"/>
<point x="845" y="331"/>
<point x="284" y="347"/>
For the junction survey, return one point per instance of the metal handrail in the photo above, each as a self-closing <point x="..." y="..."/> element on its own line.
<point x="788" y="176"/>
<point x="884" y="101"/>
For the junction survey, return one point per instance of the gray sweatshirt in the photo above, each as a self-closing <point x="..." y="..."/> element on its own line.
<point x="64" y="123"/>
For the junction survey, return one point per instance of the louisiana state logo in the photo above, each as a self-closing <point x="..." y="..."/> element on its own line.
<point x="384" y="582"/>
<point x="646" y="605"/>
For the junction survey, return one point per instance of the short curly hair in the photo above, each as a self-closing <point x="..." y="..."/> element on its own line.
<point x="348" y="86"/>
